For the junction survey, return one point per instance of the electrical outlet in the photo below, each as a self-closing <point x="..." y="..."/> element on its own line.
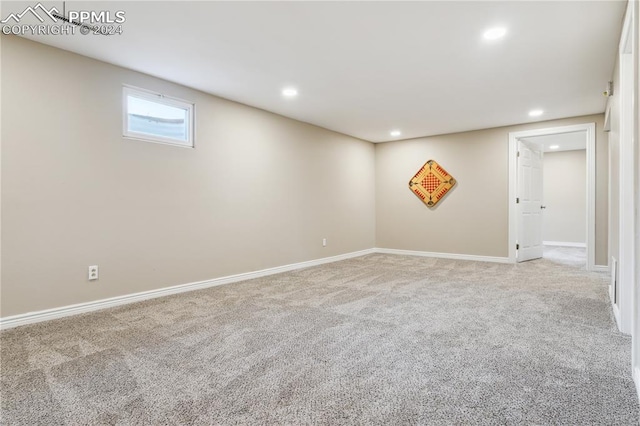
<point x="93" y="272"/>
<point x="324" y="242"/>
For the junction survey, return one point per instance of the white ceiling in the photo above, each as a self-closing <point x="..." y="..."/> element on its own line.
<point x="365" y="68"/>
<point x="565" y="141"/>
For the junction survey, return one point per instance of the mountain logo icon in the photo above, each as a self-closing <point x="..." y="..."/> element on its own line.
<point x="43" y="11"/>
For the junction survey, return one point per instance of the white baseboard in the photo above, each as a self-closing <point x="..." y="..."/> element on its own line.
<point x="616" y="312"/>
<point x="454" y="256"/>
<point x="600" y="268"/>
<point x="65" y="311"/>
<point x="50" y="314"/>
<point x="636" y="380"/>
<point x="564" y="244"/>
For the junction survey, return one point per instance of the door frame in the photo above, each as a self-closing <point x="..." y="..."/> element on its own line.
<point x="590" y="130"/>
<point x="629" y="183"/>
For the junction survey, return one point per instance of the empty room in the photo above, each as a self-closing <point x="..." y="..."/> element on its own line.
<point x="319" y="213"/>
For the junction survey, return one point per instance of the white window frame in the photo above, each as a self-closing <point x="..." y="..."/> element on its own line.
<point x="161" y="99"/>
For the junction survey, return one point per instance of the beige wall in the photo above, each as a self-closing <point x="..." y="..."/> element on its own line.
<point x="565" y="196"/>
<point x="473" y="218"/>
<point x="259" y="191"/>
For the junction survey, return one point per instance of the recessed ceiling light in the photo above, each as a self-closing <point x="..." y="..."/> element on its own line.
<point x="395" y="133"/>
<point x="289" y="92"/>
<point x="494" y="33"/>
<point x="535" y="112"/>
<point x="554" y="147"/>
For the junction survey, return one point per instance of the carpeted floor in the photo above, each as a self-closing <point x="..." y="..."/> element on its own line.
<point x="572" y="256"/>
<point x="380" y="340"/>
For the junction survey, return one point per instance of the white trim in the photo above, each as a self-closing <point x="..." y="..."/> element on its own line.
<point x="636" y="288"/>
<point x="628" y="142"/>
<point x="454" y="256"/>
<point x="564" y="244"/>
<point x="591" y="196"/>
<point x="159" y="98"/>
<point x="590" y="129"/>
<point x="50" y="314"/>
<point x="616" y="311"/>
<point x="600" y="268"/>
<point x="613" y="268"/>
<point x="513" y="209"/>
<point x="609" y="208"/>
<point x="636" y="381"/>
<point x="81" y="308"/>
<point x="626" y="180"/>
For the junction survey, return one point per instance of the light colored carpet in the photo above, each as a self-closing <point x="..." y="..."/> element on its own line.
<point x="375" y="340"/>
<point x="572" y="256"/>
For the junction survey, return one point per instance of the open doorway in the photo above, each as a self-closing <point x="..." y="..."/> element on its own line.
<point x="564" y="217"/>
<point x="564" y="189"/>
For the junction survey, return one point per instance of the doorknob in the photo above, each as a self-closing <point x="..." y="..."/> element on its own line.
<point x="543" y="207"/>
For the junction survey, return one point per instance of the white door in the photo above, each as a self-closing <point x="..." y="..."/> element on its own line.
<point x="529" y="199"/>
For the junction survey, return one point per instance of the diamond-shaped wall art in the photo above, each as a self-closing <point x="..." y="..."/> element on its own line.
<point x="431" y="183"/>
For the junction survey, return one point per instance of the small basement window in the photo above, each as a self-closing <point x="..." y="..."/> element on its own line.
<point x="158" y="118"/>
